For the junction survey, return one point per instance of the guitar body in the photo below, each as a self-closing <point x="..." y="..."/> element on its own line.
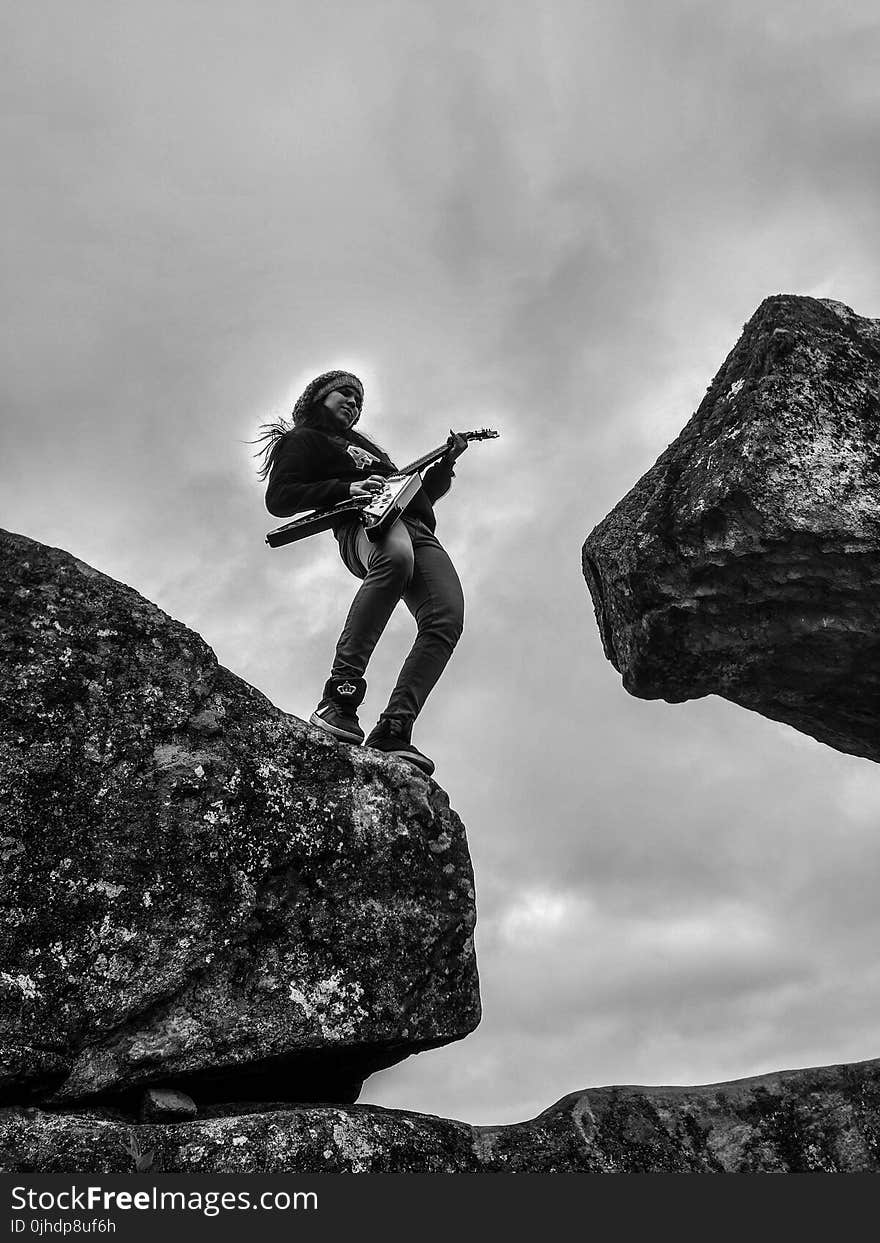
<point x="388" y="505"/>
<point x="311" y="524"/>
<point x="378" y="513"/>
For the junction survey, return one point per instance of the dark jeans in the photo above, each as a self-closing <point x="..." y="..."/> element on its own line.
<point x="409" y="563"/>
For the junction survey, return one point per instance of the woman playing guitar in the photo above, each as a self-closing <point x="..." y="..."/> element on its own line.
<point x="321" y="460"/>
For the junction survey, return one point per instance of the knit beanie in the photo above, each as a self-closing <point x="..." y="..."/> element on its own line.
<point x="323" y="384"/>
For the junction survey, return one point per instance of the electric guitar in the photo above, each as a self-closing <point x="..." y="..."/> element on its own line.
<point x="377" y="513"/>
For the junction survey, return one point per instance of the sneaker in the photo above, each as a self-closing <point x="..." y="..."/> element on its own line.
<point x="337" y="711"/>
<point x="391" y="735"/>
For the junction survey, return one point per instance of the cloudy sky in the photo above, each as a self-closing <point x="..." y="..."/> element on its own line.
<point x="548" y="217"/>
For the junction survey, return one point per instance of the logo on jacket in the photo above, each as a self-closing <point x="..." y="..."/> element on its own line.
<point x="361" y="458"/>
<point x="347" y="688"/>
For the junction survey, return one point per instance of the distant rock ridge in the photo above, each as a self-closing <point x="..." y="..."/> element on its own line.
<point x="200" y="891"/>
<point x="825" y="1120"/>
<point x="746" y="562"/>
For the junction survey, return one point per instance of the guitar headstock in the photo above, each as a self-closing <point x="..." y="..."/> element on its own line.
<point x="485" y="433"/>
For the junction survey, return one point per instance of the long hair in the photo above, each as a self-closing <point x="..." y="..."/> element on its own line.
<point x="269" y="440"/>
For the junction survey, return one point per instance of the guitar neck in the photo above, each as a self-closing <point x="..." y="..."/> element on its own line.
<point x="421" y="462"/>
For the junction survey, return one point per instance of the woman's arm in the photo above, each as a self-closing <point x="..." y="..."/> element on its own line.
<point x="438" y="480"/>
<point x="295" y="482"/>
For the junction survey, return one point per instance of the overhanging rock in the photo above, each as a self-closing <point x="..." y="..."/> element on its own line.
<point x="200" y="890"/>
<point x="746" y="562"/>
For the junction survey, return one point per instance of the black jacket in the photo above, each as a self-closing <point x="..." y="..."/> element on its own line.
<point x="313" y="469"/>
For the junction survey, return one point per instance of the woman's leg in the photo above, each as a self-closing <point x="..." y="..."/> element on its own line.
<point x="386" y="567"/>
<point x="436" y="601"/>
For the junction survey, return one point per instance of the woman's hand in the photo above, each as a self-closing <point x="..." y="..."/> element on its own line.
<point x="456" y="446"/>
<point x="367" y="487"/>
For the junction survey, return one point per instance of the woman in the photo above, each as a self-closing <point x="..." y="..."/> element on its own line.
<point x="321" y="460"/>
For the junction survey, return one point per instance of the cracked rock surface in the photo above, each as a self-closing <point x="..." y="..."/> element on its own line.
<point x="746" y="562"/>
<point x="825" y="1120"/>
<point x="199" y="890"/>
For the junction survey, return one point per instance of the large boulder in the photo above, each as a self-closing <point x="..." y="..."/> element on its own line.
<point x="804" y="1121"/>
<point x="746" y="562"/>
<point x="201" y="891"/>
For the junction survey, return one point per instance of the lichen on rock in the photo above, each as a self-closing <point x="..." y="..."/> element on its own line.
<point x="200" y="889"/>
<point x="746" y="562"/>
<point x="814" y="1121"/>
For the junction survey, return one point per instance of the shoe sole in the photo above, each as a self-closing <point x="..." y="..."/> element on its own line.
<point x="343" y="735"/>
<point x="426" y="765"/>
